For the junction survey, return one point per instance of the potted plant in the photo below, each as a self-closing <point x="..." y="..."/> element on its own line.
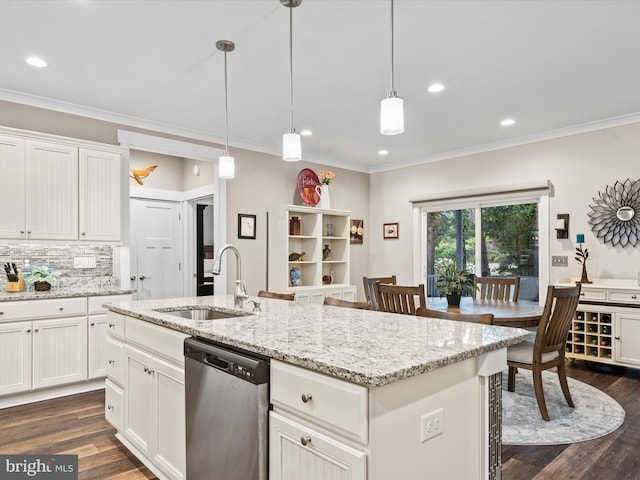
<point x="454" y="283"/>
<point x="43" y="279"/>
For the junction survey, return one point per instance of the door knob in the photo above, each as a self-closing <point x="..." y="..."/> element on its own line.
<point x="305" y="441"/>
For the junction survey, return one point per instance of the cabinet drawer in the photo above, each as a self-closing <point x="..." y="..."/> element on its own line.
<point x="161" y="341"/>
<point x="95" y="303"/>
<point x="593" y="294"/>
<point x="624" y="296"/>
<point x="114" y="353"/>
<point x="341" y="404"/>
<point x="115" y="325"/>
<point x="60" y="307"/>
<point x="113" y="402"/>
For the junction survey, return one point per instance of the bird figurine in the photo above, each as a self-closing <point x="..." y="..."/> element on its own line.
<point x="138" y="175"/>
<point x="295" y="257"/>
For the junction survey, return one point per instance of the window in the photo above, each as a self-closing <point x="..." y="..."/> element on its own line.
<point x="488" y="234"/>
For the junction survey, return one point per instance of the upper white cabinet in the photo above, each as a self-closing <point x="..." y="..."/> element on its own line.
<point x="51" y="191"/>
<point x="12" y="195"/>
<point x="99" y="197"/>
<point x="58" y="189"/>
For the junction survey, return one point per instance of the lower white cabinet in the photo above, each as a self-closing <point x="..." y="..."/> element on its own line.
<point x="627" y="333"/>
<point x="318" y="294"/>
<point x="97" y="335"/>
<point x="145" y="377"/>
<point x="298" y="451"/>
<point x="42" y="353"/>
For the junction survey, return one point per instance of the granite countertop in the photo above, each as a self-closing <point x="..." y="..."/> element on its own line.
<point x="361" y="346"/>
<point x="62" y="293"/>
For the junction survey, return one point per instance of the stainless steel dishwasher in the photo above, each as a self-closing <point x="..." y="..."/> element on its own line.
<point x="227" y="411"/>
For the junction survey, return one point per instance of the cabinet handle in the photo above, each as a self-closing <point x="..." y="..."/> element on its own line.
<point x="61" y="309"/>
<point x="83" y="233"/>
<point x="305" y="441"/>
<point x="29" y="232"/>
<point x="111" y="362"/>
<point x="306" y="397"/>
<point x="148" y="370"/>
<point x="1" y="313"/>
<point x="582" y="294"/>
<point x="634" y="296"/>
<point x="109" y="407"/>
<point x="132" y="278"/>
<point x="92" y="324"/>
<point x="142" y="277"/>
<point x="111" y="325"/>
<point x="21" y="232"/>
<point x="617" y="338"/>
<point x="37" y="330"/>
<point x="29" y="331"/>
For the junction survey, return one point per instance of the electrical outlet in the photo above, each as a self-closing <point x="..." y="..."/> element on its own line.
<point x="84" y="262"/>
<point x="559" y="261"/>
<point x="431" y="424"/>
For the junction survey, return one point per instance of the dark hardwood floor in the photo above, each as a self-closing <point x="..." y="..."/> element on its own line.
<point x="76" y="425"/>
<point x="613" y="457"/>
<point x="71" y="425"/>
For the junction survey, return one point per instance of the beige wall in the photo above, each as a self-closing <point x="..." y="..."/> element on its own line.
<point x="579" y="166"/>
<point x="262" y="181"/>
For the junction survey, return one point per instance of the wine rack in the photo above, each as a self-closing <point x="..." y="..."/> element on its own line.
<point x="590" y="336"/>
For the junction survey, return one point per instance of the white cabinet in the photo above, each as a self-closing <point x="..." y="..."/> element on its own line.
<point x="152" y="393"/>
<point x="97" y="342"/>
<point x="15" y="357"/>
<point x="59" y="351"/>
<point x="12" y="192"/>
<point x="319" y="251"/>
<point x="627" y="335"/>
<point x="298" y="451"/>
<point x="57" y="188"/>
<point x="51" y="191"/>
<point x="99" y="195"/>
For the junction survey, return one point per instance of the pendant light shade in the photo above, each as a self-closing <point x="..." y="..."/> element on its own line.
<point x="291" y="145"/>
<point x="226" y="166"/>
<point x="392" y="107"/>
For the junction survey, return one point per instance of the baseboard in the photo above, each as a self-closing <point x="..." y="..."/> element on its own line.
<point x="52" y="392"/>
<point x="142" y="457"/>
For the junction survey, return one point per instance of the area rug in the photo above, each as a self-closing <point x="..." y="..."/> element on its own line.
<point x="595" y="414"/>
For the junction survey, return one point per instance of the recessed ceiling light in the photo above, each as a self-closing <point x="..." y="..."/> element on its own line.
<point x="383" y="152"/>
<point x="507" y="122"/>
<point x="306" y="133"/>
<point x="436" y="87"/>
<point x="36" y="62"/>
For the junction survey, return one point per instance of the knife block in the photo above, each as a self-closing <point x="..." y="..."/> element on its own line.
<point x="19" y="286"/>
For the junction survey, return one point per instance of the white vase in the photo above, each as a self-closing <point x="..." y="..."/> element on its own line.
<point x="325" y="198"/>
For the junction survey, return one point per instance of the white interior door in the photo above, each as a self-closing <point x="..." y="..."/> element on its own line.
<point x="155" y="245"/>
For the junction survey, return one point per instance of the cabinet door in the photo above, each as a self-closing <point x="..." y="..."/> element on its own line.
<point x="15" y="357"/>
<point x="99" y="197"/>
<point x="12" y="193"/>
<point x="52" y="191"/>
<point x="627" y="333"/>
<point x="322" y="458"/>
<point x="139" y="394"/>
<point x="97" y="346"/>
<point x="59" y="351"/>
<point x="170" y="453"/>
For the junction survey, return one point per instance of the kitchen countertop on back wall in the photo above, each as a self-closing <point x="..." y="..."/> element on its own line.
<point x="62" y="293"/>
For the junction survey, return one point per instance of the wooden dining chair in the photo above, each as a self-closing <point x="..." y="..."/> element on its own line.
<point x="371" y="288"/>
<point x="548" y="349"/>
<point x="280" y="296"/>
<point x="400" y="298"/>
<point x="497" y="288"/>
<point x="336" y="302"/>
<point x="485" y="318"/>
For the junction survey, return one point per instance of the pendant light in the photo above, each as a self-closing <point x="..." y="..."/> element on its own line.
<point x="291" y="146"/>
<point x="226" y="168"/>
<point x="391" y="108"/>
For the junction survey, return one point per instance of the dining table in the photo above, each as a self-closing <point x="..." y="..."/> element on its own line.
<point x="520" y="314"/>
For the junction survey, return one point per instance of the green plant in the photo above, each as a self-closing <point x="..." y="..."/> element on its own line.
<point x="452" y="282"/>
<point x="43" y="274"/>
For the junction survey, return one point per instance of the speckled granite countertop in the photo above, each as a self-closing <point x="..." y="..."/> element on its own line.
<point x="61" y="293"/>
<point x="364" y="347"/>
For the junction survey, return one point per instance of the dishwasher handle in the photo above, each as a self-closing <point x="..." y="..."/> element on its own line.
<point x="216" y="362"/>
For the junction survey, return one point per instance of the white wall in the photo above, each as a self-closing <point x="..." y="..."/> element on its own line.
<point x="579" y="166"/>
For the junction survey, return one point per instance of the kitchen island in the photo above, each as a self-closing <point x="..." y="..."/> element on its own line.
<point x="406" y="397"/>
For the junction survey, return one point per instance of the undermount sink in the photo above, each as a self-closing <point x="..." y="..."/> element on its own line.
<point x="201" y="313"/>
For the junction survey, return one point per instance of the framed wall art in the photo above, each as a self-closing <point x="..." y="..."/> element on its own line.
<point x="356" y="233"/>
<point x="390" y="230"/>
<point x="246" y="226"/>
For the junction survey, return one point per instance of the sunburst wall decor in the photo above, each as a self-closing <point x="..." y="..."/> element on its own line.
<point x="615" y="215"/>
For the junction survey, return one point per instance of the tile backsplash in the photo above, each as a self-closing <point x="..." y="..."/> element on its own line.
<point x="60" y="258"/>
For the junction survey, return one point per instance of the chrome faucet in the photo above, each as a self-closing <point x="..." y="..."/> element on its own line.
<point x="240" y="292"/>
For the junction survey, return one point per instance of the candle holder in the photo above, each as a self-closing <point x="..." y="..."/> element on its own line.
<point x="581" y="257"/>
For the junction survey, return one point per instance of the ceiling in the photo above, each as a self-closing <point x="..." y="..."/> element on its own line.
<point x="556" y="67"/>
